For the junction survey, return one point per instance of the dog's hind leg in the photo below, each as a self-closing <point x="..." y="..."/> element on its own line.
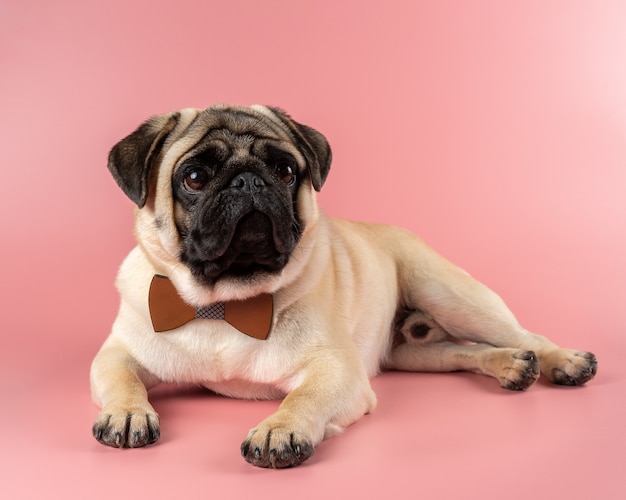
<point x="469" y="311"/>
<point x="515" y="369"/>
<point x="421" y="344"/>
<point x="480" y="316"/>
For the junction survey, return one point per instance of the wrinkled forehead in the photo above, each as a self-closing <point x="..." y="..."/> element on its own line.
<point x="238" y="131"/>
<point x="257" y="121"/>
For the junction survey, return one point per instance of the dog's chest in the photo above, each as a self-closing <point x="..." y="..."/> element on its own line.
<point x="215" y="354"/>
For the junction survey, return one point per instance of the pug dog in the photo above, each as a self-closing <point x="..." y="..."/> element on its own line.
<point x="241" y="284"/>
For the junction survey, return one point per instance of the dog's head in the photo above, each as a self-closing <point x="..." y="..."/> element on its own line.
<point x="224" y="195"/>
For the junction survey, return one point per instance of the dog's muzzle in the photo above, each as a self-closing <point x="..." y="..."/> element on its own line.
<point x="244" y="230"/>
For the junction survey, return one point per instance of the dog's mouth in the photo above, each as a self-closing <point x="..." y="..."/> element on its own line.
<point x="253" y="246"/>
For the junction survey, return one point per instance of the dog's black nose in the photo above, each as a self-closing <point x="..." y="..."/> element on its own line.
<point x="248" y="182"/>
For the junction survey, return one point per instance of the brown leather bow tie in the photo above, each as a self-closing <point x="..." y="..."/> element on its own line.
<point x="168" y="311"/>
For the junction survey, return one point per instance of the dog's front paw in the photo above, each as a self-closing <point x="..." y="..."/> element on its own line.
<point x="569" y="367"/>
<point x="127" y="427"/>
<point x="521" y="372"/>
<point x="275" y="445"/>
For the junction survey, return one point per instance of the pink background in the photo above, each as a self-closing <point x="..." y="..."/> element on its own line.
<point x="496" y="130"/>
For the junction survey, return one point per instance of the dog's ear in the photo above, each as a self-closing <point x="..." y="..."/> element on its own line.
<point x="131" y="160"/>
<point x="313" y="145"/>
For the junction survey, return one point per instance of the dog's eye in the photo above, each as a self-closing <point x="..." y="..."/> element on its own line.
<point x="195" y="180"/>
<point x="286" y="172"/>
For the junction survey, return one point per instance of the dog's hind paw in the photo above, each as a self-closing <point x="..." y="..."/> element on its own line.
<point x="572" y="367"/>
<point x="521" y="373"/>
